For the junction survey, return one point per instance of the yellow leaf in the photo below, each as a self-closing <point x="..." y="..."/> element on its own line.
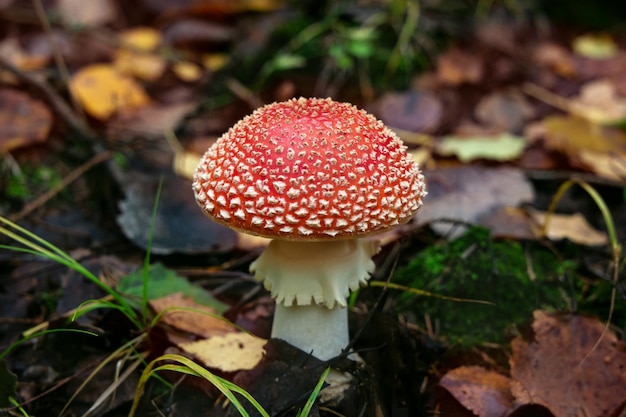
<point x="570" y="134"/>
<point x="141" y="38"/>
<point x="143" y="65"/>
<point x="214" y="61"/>
<point x="229" y="353"/>
<point x="595" y="46"/>
<point x="187" y="71"/>
<point x="500" y="148"/>
<point x="103" y="91"/>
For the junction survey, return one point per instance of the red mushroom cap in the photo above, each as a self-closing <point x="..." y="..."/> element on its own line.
<point x="309" y="169"/>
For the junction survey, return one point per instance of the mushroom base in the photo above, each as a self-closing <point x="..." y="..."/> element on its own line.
<point x="323" y="273"/>
<point x="314" y="329"/>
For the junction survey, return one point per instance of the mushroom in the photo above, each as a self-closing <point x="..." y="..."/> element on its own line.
<point x="318" y="177"/>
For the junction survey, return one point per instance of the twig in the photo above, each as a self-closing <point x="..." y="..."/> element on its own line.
<point x="71" y="177"/>
<point x="58" y="58"/>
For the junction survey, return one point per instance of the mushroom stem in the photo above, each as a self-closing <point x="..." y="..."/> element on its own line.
<point x="313" y="328"/>
<point x="310" y="282"/>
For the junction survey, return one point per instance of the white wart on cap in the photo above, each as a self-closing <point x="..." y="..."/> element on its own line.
<point x="309" y="169"/>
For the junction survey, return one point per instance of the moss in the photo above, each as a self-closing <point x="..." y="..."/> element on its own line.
<point x="476" y="267"/>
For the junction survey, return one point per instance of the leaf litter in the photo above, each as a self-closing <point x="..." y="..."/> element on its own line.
<point x="154" y="76"/>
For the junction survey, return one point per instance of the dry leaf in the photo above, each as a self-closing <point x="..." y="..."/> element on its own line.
<point x="230" y="352"/>
<point x="103" y="91"/>
<point x="564" y="370"/>
<point x="187" y="71"/>
<point x="485" y="393"/>
<point x="202" y="322"/>
<point x="23" y="120"/>
<point x="505" y="110"/>
<point x="611" y="166"/>
<point x="568" y="226"/>
<point x="87" y="13"/>
<point x="136" y="57"/>
<point x="466" y="193"/>
<point x="599" y="102"/>
<point x="456" y="66"/>
<point x="414" y="111"/>
<point x="570" y="135"/>
<point x="556" y="58"/>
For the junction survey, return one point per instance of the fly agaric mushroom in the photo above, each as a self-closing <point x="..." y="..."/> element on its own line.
<point x="316" y="176"/>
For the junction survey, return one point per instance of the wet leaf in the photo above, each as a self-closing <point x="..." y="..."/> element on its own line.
<point x="180" y="226"/>
<point x="103" y="91"/>
<point x="230" y="352"/>
<point x="563" y="369"/>
<point x="503" y="147"/>
<point x="485" y="393"/>
<point x="24" y="121"/>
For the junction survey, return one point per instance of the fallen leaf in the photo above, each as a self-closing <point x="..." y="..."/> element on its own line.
<point x="230" y="352"/>
<point x="86" y="13"/>
<point x="466" y="193"/>
<point x="457" y="66"/>
<point x="556" y="58"/>
<point x="572" y="366"/>
<point x="136" y="54"/>
<point x="187" y="71"/>
<point x="165" y="283"/>
<point x="611" y="166"/>
<point x="414" y="111"/>
<point x="12" y="52"/>
<point x="573" y="227"/>
<point x="203" y="321"/>
<point x="599" y="102"/>
<point x="485" y="393"/>
<point x="509" y="223"/>
<point x="103" y="91"/>
<point x="503" y="147"/>
<point x="595" y="46"/>
<point x="505" y="110"/>
<point x="24" y="121"/>
<point x="180" y="227"/>
<point x="151" y="121"/>
<point x="570" y="135"/>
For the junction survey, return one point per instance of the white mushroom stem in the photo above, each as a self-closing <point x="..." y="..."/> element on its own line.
<point x="310" y="282"/>
<point x="315" y="329"/>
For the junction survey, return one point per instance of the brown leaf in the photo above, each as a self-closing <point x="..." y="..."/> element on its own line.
<point x="456" y="66"/>
<point x="466" y="193"/>
<point x="202" y="322"/>
<point x="415" y="110"/>
<point x="568" y="226"/>
<point x="565" y="370"/>
<point x="505" y="110"/>
<point x="486" y="393"/>
<point x="23" y="120"/>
